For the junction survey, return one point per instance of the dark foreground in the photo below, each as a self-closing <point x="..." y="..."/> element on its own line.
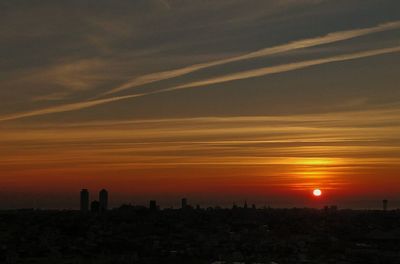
<point x="138" y="235"/>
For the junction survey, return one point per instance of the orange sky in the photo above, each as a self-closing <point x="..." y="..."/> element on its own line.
<point x="219" y="101"/>
<point x="254" y="158"/>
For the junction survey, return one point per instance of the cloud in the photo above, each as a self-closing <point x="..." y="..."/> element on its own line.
<point x="300" y="44"/>
<point x="283" y="68"/>
<point x="227" y="78"/>
<point x="354" y="137"/>
<point x="71" y="75"/>
<point x="66" y="107"/>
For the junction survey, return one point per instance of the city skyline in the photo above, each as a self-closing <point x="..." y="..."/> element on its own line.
<point x="213" y="101"/>
<point x="100" y="203"/>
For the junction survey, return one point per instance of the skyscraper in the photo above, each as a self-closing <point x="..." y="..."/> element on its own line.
<point x="153" y="205"/>
<point x="184" y="203"/>
<point x="385" y="205"/>
<point x="103" y="200"/>
<point x="84" y="200"/>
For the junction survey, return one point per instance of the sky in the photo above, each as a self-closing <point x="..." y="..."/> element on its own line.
<point x="218" y="101"/>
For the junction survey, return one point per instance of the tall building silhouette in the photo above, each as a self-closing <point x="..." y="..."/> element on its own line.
<point x="385" y="205"/>
<point x="153" y="205"/>
<point x="184" y="203"/>
<point x="103" y="200"/>
<point x="84" y="200"/>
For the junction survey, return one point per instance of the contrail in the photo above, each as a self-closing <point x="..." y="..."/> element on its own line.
<point x="227" y="78"/>
<point x="300" y="44"/>
<point x="282" y="68"/>
<point x="66" y="107"/>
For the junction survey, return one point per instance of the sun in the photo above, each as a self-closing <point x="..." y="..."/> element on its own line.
<point x="317" y="192"/>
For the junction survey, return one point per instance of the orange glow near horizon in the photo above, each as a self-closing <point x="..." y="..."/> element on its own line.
<point x="241" y="157"/>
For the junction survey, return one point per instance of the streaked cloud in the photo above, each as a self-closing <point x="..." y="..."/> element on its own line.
<point x="289" y="150"/>
<point x="66" y="107"/>
<point x="285" y="68"/>
<point x="300" y="44"/>
<point x="227" y="78"/>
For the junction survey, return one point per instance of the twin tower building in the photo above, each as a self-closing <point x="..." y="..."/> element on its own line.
<point x="95" y="206"/>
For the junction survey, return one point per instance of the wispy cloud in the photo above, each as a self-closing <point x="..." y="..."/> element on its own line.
<point x="300" y="44"/>
<point x="299" y="148"/>
<point x="63" y="78"/>
<point x="227" y="78"/>
<point x="66" y="107"/>
<point x="283" y="68"/>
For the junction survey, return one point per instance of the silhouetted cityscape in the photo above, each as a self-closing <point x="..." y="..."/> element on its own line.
<point x="192" y="234"/>
<point x="200" y="131"/>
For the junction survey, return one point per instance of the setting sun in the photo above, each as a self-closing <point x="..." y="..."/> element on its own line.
<point x="317" y="192"/>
